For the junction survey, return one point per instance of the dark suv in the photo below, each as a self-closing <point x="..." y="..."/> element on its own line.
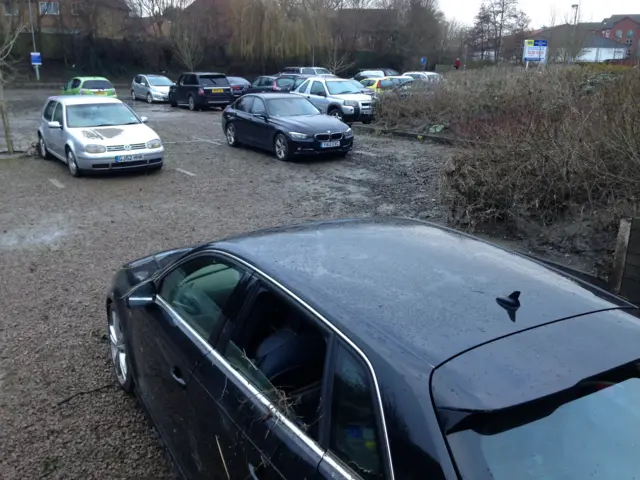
<point x="199" y="90"/>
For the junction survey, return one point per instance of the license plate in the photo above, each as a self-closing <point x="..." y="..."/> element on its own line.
<point x="128" y="158"/>
<point x="101" y="93"/>
<point x="217" y="90"/>
<point x="330" y="144"/>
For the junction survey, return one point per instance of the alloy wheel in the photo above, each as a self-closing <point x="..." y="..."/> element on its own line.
<point x="133" y="96"/>
<point x="336" y="114"/>
<point x="231" y="135"/>
<point x="118" y="350"/>
<point x="192" y="104"/>
<point x="149" y="98"/>
<point x="71" y="163"/>
<point x="281" y="147"/>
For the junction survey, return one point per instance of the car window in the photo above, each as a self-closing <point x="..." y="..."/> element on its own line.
<point x="97" y="85"/>
<point x="290" y="70"/>
<point x="339" y="87"/>
<point x="303" y="88"/>
<point x="308" y="71"/>
<point x="317" y="88"/>
<point x="244" y="104"/>
<point x="143" y="81"/>
<point x="89" y="115"/>
<point x="48" y="110"/>
<point x="266" y="82"/>
<point x="298" y="82"/>
<point x="136" y="79"/>
<point x="282" y="352"/>
<point x="368" y="82"/>
<point x="214" y="81"/>
<point x="199" y="290"/>
<point x="322" y="71"/>
<point x="258" y="107"/>
<point x="182" y="79"/>
<point x="75" y="83"/>
<point x="386" y="83"/>
<point x="285" y="82"/>
<point x="354" y="437"/>
<point x="57" y="114"/>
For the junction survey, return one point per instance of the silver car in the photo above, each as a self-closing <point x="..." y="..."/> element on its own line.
<point x="152" y="88"/>
<point x="92" y="134"/>
<point x="338" y="97"/>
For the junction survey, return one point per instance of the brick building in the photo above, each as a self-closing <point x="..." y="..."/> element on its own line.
<point x="623" y="29"/>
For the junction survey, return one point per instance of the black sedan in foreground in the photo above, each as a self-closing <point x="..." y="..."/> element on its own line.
<point x="285" y="124"/>
<point x="377" y="349"/>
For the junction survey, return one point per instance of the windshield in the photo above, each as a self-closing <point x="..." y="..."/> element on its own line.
<point x="160" y="81"/>
<point x="100" y="115"/>
<point x="290" y="107"/>
<point x="97" y="85"/>
<point x="213" y="81"/>
<point x="594" y="436"/>
<point x="340" y="87"/>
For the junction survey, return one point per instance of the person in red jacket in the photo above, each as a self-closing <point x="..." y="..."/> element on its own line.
<point x="457" y="64"/>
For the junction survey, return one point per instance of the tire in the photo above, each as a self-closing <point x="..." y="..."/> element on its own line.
<point x="192" y="103"/>
<point x="42" y="148"/>
<point x="149" y="98"/>
<point x="173" y="103"/>
<point x="133" y="96"/>
<point x="281" y="148"/>
<point x="72" y="165"/>
<point x="232" y="135"/>
<point x="118" y="350"/>
<point x="336" y="113"/>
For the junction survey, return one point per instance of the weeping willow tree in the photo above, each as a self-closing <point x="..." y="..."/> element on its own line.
<point x="265" y="30"/>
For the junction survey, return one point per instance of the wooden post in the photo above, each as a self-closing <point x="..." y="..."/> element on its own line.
<point x="620" y="256"/>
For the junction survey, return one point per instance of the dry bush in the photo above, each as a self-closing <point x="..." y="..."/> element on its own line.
<point x="552" y="154"/>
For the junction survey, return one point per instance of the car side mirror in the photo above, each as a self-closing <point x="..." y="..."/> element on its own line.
<point x="142" y="296"/>
<point x="322" y="94"/>
<point x="263" y="116"/>
<point x="144" y="119"/>
<point x="54" y="124"/>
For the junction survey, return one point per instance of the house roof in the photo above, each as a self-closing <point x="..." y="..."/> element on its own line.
<point x="596" y="40"/>
<point x="613" y="19"/>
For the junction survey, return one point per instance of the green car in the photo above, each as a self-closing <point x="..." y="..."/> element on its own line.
<point x="89" y="86"/>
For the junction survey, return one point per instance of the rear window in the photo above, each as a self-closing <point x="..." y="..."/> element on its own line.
<point x="368" y="82"/>
<point x="97" y="85"/>
<point x="298" y="82"/>
<point x="308" y="71"/>
<point x="285" y="82"/>
<point x="238" y="81"/>
<point x="213" y="81"/>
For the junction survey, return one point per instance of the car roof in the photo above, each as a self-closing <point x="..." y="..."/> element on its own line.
<point x="153" y="75"/>
<point x="82" y="99"/>
<point x="409" y="285"/>
<point x="270" y="95"/>
<point x="203" y="73"/>
<point x="93" y="78"/>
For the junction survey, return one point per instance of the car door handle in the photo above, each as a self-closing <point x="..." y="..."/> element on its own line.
<point x="252" y="472"/>
<point x="176" y="374"/>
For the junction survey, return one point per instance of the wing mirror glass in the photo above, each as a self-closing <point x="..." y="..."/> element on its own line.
<point x="54" y="124"/>
<point x="144" y="119"/>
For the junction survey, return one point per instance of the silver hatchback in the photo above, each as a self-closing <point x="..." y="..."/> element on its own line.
<point x="93" y="134"/>
<point x="152" y="88"/>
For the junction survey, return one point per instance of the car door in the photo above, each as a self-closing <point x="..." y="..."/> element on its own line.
<point x="143" y="86"/>
<point x="259" y="130"/>
<point x="275" y="334"/>
<point x="47" y="116"/>
<point x="242" y="118"/>
<point x="170" y="337"/>
<point x="182" y="88"/>
<point x="318" y="96"/>
<point x="57" y="135"/>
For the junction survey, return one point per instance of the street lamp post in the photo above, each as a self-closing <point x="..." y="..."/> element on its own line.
<point x="33" y="39"/>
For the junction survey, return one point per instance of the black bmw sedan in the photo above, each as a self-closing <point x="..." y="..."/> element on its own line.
<point x="377" y="349"/>
<point x="286" y="125"/>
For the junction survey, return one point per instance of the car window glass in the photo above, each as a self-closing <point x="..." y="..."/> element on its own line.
<point x="256" y="82"/>
<point x="97" y="85"/>
<point x="181" y="79"/>
<point x="317" y="88"/>
<point x="303" y="88"/>
<point x="285" y="82"/>
<point x="213" y="81"/>
<point x="143" y="81"/>
<point x="298" y="82"/>
<point x="308" y="71"/>
<point x="282" y="353"/>
<point x="387" y="83"/>
<point x="75" y="83"/>
<point x="198" y="291"/>
<point x="57" y="114"/>
<point x="354" y="433"/>
<point x="244" y="104"/>
<point x="368" y="82"/>
<point x="266" y="82"/>
<point x="48" y="111"/>
<point x="258" y="107"/>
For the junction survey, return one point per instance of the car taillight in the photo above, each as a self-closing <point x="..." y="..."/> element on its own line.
<point x="200" y="91"/>
<point x="276" y="87"/>
<point x="237" y="87"/>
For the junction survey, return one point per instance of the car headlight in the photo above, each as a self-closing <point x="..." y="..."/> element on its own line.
<point x="95" y="148"/>
<point x="350" y="103"/>
<point x="348" y="133"/>
<point x="298" y="136"/>
<point x="154" y="143"/>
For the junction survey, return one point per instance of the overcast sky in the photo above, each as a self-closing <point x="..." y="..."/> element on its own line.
<point x="540" y="10"/>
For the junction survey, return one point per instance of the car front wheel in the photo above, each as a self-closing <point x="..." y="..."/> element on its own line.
<point x="119" y="357"/>
<point x="149" y="98"/>
<point x="281" y="148"/>
<point x="72" y="164"/>
<point x="232" y="135"/>
<point x="133" y="96"/>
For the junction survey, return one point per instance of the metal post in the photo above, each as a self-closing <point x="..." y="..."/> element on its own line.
<point x="33" y="38"/>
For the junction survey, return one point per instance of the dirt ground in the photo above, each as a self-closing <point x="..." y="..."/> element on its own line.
<point x="62" y="238"/>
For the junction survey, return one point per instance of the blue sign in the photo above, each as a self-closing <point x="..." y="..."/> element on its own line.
<point x="539" y="43"/>
<point x="423" y="61"/>
<point x="36" y="58"/>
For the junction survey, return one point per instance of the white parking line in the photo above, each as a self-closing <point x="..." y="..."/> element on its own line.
<point x="56" y="183"/>
<point x="368" y="154"/>
<point x="186" y="172"/>
<point x="208" y="141"/>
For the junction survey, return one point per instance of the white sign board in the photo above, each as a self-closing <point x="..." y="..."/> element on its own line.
<point x="535" y="51"/>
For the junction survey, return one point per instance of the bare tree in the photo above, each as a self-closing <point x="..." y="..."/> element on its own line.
<point x="187" y="40"/>
<point x="11" y="26"/>
<point x="336" y="61"/>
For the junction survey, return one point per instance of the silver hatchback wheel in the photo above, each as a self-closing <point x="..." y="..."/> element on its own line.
<point x="133" y="96"/>
<point x="72" y="165"/>
<point x="149" y="98"/>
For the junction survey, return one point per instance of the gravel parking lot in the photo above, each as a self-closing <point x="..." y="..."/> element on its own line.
<point x="62" y="238"/>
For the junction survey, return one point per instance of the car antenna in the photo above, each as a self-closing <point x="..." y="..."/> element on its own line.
<point x="511" y="304"/>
